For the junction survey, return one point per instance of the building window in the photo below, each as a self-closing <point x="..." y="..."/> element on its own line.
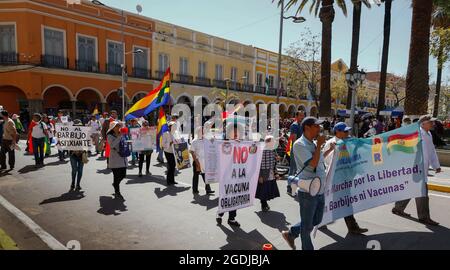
<point x="163" y="62"/>
<point x="259" y="79"/>
<point x="184" y="66"/>
<point x="87" y="56"/>
<point x="202" y="69"/>
<point x="140" y="68"/>
<point x="219" y="72"/>
<point x="8" y="52"/>
<point x="54" y="54"/>
<point x="115" y="57"/>
<point x="271" y="81"/>
<point x="246" y="77"/>
<point x="233" y="74"/>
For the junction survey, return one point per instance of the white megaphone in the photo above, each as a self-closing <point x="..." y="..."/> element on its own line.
<point x="311" y="186"/>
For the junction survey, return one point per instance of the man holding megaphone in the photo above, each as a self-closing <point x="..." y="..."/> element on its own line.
<point x="310" y="164"/>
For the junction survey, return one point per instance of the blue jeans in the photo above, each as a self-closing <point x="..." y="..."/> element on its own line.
<point x="77" y="169"/>
<point x="311" y="213"/>
<point x="38" y="150"/>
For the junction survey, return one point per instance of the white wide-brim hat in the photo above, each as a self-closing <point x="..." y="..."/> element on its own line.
<point x="112" y="125"/>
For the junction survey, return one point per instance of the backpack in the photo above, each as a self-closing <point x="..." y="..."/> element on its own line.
<point x="124" y="148"/>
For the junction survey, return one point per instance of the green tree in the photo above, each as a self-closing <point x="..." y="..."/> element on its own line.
<point x="326" y="15"/>
<point x="440" y="44"/>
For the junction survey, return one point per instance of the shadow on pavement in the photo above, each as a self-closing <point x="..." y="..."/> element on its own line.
<point x="5" y="173"/>
<point x="438" y="238"/>
<point x="240" y="240"/>
<point x="135" y="179"/>
<point x="104" y="171"/>
<point x="274" y="220"/>
<point x="205" y="201"/>
<point x="56" y="163"/>
<point x="28" y="169"/>
<point x="69" y="196"/>
<point x="160" y="165"/>
<point x="101" y="158"/>
<point x="170" y="191"/>
<point x="111" y="206"/>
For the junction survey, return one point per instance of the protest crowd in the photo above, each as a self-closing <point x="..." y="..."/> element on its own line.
<point x="308" y="144"/>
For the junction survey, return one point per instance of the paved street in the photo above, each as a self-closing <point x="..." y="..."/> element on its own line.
<point x="158" y="217"/>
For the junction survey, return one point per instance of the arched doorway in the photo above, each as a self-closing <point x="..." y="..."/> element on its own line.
<point x="314" y="112"/>
<point x="13" y="99"/>
<point x="57" y="98"/>
<point x="114" y="102"/>
<point x="291" y="111"/>
<point x="302" y="108"/>
<point x="87" y="101"/>
<point x="283" y="111"/>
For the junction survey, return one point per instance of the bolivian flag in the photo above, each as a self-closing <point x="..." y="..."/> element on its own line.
<point x="156" y="98"/>
<point x="289" y="147"/>
<point x="403" y="142"/>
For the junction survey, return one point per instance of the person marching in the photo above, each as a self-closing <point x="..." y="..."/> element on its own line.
<point x="309" y="161"/>
<point x="235" y="134"/>
<point x="95" y="126"/>
<point x="134" y="124"/>
<point x="19" y="127"/>
<point x="105" y="127"/>
<point x="77" y="161"/>
<point x="147" y="155"/>
<point x="296" y="132"/>
<point x="59" y="120"/>
<point x="167" y="142"/>
<point x="267" y="188"/>
<point x="341" y="131"/>
<point x="9" y="140"/>
<point x="430" y="158"/>
<point x="198" y="156"/>
<point x="49" y="138"/>
<point x="38" y="133"/>
<point x="116" y="162"/>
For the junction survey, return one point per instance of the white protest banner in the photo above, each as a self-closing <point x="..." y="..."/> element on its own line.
<point x="64" y="119"/>
<point x="238" y="173"/>
<point x="366" y="173"/>
<point x="210" y="162"/>
<point x="143" y="139"/>
<point x="181" y="152"/>
<point x="73" y="138"/>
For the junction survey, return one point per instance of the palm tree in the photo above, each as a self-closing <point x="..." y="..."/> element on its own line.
<point x="440" y="44"/>
<point x="417" y="88"/>
<point x="326" y="16"/>
<point x="357" y="5"/>
<point x="385" y="55"/>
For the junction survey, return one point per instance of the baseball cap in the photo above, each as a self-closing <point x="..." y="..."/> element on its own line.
<point x="309" y="121"/>
<point x="425" y="118"/>
<point x="341" y="126"/>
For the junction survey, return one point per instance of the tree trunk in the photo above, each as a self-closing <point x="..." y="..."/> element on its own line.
<point x="355" y="45"/>
<point x="385" y="56"/>
<point x="326" y="17"/>
<point x="417" y="89"/>
<point x="438" y="82"/>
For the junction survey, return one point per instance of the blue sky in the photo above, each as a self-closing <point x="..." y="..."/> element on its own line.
<point x="256" y="22"/>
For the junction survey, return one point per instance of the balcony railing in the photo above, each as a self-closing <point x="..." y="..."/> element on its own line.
<point x="160" y="74"/>
<point x="141" y="73"/>
<point x="260" y="89"/>
<point x="9" y="58"/>
<point x="114" y="69"/>
<point x="220" y="84"/>
<point x="272" y="91"/>
<point x="87" y="66"/>
<point x="54" y="61"/>
<point x="188" y="79"/>
<point x="202" y="81"/>
<point x="235" y="86"/>
<point x="247" y="87"/>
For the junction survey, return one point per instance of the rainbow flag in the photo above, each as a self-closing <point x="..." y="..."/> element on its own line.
<point x="95" y="112"/>
<point x="155" y="99"/>
<point x="289" y="147"/>
<point x="161" y="128"/>
<point x="403" y="142"/>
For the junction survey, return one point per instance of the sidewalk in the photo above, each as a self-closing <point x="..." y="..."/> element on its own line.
<point x="440" y="181"/>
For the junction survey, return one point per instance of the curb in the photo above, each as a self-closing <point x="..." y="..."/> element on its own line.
<point x="439" y="188"/>
<point x="6" y="243"/>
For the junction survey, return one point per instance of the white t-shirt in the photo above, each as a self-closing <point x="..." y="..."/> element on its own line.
<point x="197" y="148"/>
<point x="38" y="130"/>
<point x="328" y="159"/>
<point x="95" y="126"/>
